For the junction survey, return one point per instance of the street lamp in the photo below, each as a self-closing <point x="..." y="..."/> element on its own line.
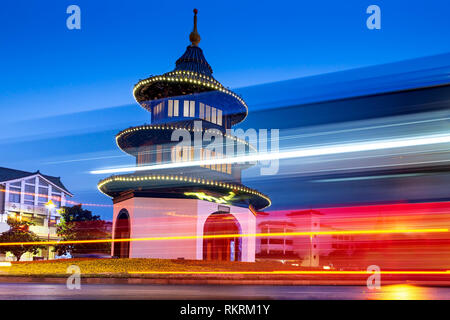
<point x="50" y="206"/>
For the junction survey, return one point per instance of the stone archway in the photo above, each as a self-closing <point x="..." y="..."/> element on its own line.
<point x="122" y="231"/>
<point x="222" y="249"/>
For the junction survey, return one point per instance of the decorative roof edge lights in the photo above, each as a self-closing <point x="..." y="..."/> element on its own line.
<point x="187" y="179"/>
<point x="187" y="77"/>
<point x="172" y="127"/>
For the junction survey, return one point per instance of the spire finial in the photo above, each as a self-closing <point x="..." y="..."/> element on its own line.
<point x="194" y="37"/>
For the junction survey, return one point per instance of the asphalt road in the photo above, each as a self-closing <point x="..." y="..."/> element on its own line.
<point x="30" y="291"/>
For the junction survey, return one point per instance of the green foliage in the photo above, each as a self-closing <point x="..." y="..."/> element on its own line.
<point x="80" y="224"/>
<point x="19" y="232"/>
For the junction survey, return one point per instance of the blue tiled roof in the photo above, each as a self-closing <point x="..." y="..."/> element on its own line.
<point x="193" y="60"/>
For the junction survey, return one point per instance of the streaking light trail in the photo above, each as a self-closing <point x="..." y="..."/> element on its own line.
<point x="297" y="153"/>
<point x="219" y="236"/>
<point x="308" y="272"/>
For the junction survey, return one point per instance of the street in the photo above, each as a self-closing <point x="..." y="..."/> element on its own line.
<point x="31" y="291"/>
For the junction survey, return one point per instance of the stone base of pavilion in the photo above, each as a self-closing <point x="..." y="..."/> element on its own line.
<point x="170" y="228"/>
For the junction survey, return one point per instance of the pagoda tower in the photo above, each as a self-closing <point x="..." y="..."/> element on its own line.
<point x="162" y="200"/>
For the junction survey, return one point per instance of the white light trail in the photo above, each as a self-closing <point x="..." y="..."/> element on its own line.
<point x="296" y="153"/>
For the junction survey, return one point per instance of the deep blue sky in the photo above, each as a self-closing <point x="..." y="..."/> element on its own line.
<point x="52" y="78"/>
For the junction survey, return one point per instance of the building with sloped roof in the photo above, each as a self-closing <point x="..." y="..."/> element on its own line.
<point x="33" y="197"/>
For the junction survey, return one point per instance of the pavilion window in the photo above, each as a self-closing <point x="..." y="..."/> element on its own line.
<point x="175" y="108"/>
<point x="192" y="109"/>
<point x="186" y="108"/>
<point x="160" y="109"/>
<point x="201" y="111"/>
<point x="219" y="117"/>
<point x="177" y="154"/>
<point x="140" y="158"/>
<point x="147" y="154"/>
<point x="208" y="113"/>
<point x="192" y="153"/>
<point x="207" y="156"/>
<point x="213" y="115"/>
<point x="158" y="153"/>
<point x="170" y="108"/>
<point x="202" y="156"/>
<point x="213" y="156"/>
<point x="186" y="153"/>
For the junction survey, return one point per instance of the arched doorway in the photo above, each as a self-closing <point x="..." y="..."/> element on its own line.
<point x="222" y="249"/>
<point x="122" y="231"/>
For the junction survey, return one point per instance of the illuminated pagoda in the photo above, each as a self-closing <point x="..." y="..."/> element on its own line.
<point x="176" y="201"/>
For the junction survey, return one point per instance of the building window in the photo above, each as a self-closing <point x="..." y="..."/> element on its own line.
<point x="14" y="194"/>
<point x="43" y="195"/>
<point x="43" y="183"/>
<point x="31" y="181"/>
<point x="29" y="194"/>
<point x="56" y="198"/>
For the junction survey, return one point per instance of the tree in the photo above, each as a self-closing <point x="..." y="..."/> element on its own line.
<point x="80" y="224"/>
<point x="19" y="232"/>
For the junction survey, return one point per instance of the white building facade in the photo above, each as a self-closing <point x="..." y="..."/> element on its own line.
<point x="25" y="196"/>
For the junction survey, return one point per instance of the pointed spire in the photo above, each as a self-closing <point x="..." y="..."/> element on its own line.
<point x="194" y="37"/>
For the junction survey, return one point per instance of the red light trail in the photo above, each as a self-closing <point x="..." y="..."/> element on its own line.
<point x="273" y="234"/>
